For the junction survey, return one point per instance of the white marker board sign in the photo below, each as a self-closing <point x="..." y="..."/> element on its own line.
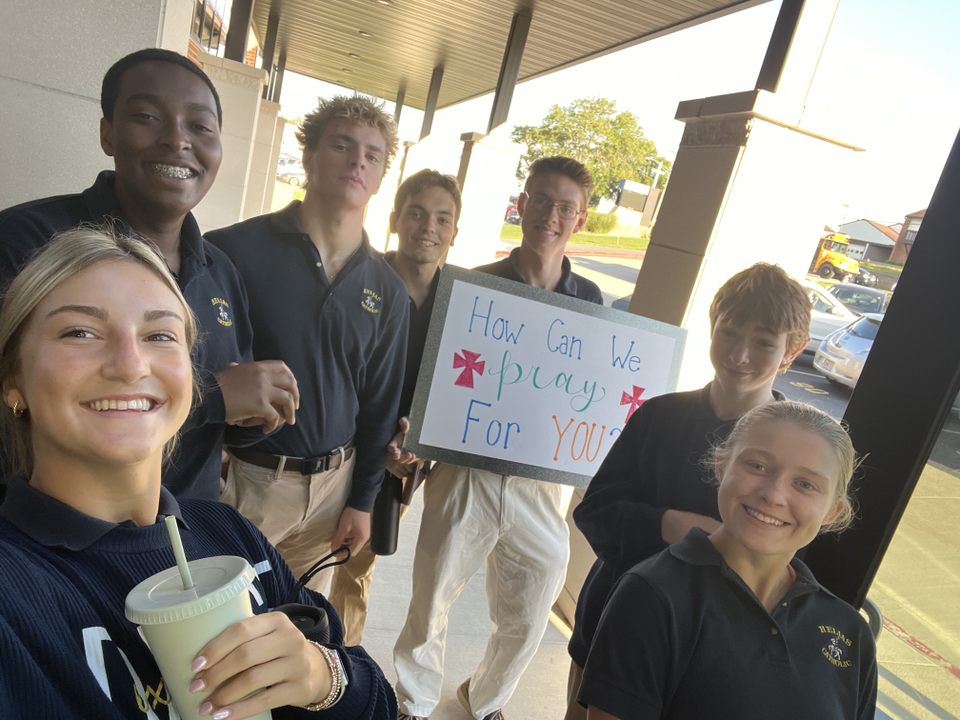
<point x="522" y="381"/>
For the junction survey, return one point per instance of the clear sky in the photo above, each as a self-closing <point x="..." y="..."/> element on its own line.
<point x="888" y="81"/>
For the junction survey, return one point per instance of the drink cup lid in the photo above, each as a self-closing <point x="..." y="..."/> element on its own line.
<point x="161" y="598"/>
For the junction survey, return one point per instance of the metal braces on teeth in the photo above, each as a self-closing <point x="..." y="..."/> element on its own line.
<point x="173" y="171"/>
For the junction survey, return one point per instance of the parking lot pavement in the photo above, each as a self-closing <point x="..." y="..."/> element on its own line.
<point x="804" y="384"/>
<point x="616" y="276"/>
<point x="916" y="589"/>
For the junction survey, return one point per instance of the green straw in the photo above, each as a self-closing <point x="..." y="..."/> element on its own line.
<point x="178" y="552"/>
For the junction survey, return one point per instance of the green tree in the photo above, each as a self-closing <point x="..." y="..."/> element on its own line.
<point x="611" y="144"/>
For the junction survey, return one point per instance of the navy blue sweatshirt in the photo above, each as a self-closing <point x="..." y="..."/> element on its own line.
<point x="213" y="290"/>
<point x="66" y="649"/>
<point x="345" y="341"/>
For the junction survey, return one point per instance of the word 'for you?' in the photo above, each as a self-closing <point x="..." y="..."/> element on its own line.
<point x="581" y="439"/>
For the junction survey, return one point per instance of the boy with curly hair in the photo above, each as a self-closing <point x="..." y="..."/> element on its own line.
<point x="328" y="305"/>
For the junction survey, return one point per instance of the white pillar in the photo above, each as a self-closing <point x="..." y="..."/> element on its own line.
<point x="174" y="31"/>
<point x="749" y="183"/>
<point x="240" y="88"/>
<point x="376" y="220"/>
<point x="488" y="174"/>
<point x="55" y="54"/>
<point x="279" y="126"/>
<point x="744" y="188"/>
<point x="261" y="172"/>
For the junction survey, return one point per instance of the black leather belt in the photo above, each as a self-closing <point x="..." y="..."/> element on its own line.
<point x="305" y="466"/>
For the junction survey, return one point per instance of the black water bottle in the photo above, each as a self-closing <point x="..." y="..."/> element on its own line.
<point x="311" y="621"/>
<point x="385" y="521"/>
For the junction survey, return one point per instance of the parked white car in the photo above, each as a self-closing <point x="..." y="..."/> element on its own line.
<point x="861" y="299"/>
<point x="292" y="174"/>
<point x="841" y="355"/>
<point x="827" y="314"/>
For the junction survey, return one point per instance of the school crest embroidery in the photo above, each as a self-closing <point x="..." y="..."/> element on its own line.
<point x="223" y="311"/>
<point x="837" y="647"/>
<point x="371" y="301"/>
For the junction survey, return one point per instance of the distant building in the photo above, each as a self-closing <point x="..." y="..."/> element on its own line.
<point x="911" y="225"/>
<point x="869" y="240"/>
<point x="639" y="197"/>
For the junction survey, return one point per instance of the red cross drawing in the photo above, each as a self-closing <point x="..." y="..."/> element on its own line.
<point x="471" y="363"/>
<point x="633" y="401"/>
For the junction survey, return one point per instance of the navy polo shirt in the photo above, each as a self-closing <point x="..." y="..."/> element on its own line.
<point x="211" y="287"/>
<point x="345" y="341"/>
<point x="53" y="523"/>
<point x="570" y="283"/>
<point x="683" y="637"/>
<point x="416" y="338"/>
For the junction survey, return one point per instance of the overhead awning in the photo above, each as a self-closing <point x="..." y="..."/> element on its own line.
<point x="377" y="46"/>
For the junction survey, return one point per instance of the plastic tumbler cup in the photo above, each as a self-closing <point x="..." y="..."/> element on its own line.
<point x="176" y="623"/>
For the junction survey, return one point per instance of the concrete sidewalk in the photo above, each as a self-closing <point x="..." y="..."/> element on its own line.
<point x="542" y="691"/>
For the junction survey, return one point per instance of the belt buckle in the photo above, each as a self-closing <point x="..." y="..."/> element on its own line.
<point x="312" y="466"/>
<point x="342" y="451"/>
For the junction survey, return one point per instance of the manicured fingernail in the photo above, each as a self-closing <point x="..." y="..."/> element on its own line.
<point x="199" y="663"/>
<point x="197" y="685"/>
<point x="206" y="708"/>
<point x="222" y="714"/>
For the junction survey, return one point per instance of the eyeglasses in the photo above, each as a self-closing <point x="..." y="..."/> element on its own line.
<point x="544" y="204"/>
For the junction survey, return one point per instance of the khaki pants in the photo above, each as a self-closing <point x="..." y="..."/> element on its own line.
<point x="350" y="592"/>
<point x="298" y="513"/>
<point x="575" y="711"/>
<point x="471" y="518"/>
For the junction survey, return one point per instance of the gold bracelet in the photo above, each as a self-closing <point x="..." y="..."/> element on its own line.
<point x="338" y="679"/>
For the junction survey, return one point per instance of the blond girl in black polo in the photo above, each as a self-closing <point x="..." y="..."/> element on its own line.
<point x="731" y="624"/>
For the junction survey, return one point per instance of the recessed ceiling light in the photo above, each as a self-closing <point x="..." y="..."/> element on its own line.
<point x="364" y="33"/>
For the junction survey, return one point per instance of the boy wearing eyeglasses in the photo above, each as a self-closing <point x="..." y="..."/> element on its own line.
<point x="513" y="525"/>
<point x="552" y="207"/>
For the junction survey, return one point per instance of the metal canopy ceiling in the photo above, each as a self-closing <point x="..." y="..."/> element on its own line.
<point x="374" y="46"/>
